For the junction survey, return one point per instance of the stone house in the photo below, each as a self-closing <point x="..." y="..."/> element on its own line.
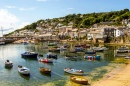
<point x="96" y="33"/>
<point x="73" y="33"/>
<point x="82" y="33"/>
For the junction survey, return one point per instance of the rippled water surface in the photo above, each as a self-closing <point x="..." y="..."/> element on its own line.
<point x="11" y="77"/>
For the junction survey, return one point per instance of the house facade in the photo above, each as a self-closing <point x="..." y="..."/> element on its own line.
<point x="82" y="33"/>
<point x="96" y="33"/>
<point x="112" y="32"/>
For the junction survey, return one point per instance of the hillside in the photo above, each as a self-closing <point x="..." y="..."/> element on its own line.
<point x="81" y="20"/>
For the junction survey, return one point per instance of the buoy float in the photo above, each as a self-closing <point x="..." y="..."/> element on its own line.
<point x="97" y="57"/>
<point x="93" y="58"/>
<point x="88" y="57"/>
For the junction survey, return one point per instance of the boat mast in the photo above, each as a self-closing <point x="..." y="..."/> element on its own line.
<point x="2" y="31"/>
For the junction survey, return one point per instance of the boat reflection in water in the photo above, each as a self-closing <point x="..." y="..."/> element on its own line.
<point x="29" y="58"/>
<point x="26" y="77"/>
<point x="45" y="74"/>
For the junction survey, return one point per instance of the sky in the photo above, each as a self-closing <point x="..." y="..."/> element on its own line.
<point x="15" y="14"/>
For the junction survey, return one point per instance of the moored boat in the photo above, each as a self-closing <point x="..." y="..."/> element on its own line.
<point x="46" y="60"/>
<point x="90" y="51"/>
<point x="23" y="70"/>
<point x="73" y="71"/>
<point x="8" y="64"/>
<point x="98" y="49"/>
<point x="79" y="49"/>
<point x="2" y="43"/>
<point x="104" y="48"/>
<point x="54" y="50"/>
<point x="79" y="80"/>
<point x="123" y="49"/>
<point x="52" y="44"/>
<point x="70" y="57"/>
<point x="29" y="54"/>
<point x="61" y="48"/>
<point x="127" y="57"/>
<point x="25" y="43"/>
<point x="45" y="70"/>
<point x="82" y="45"/>
<point x="52" y="55"/>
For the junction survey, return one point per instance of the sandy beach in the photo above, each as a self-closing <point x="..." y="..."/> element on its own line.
<point x="117" y="77"/>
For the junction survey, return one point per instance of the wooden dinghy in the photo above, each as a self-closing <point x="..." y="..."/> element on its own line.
<point x="79" y="80"/>
<point x="45" y="70"/>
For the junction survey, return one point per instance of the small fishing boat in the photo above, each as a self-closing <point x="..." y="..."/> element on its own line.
<point x="97" y="49"/>
<point x="46" y="60"/>
<point x="79" y="49"/>
<point x="90" y="51"/>
<point x="123" y="49"/>
<point x="77" y="45"/>
<point x="52" y="44"/>
<point x="104" y="48"/>
<point x="54" y="50"/>
<point x="25" y="43"/>
<point x="66" y="46"/>
<point x="23" y="70"/>
<point x="82" y="45"/>
<point x="70" y="57"/>
<point x="51" y="55"/>
<point x="8" y="64"/>
<point x="79" y="80"/>
<point x="2" y="43"/>
<point x="73" y="71"/>
<point x="62" y="48"/>
<point x="45" y="70"/>
<point x="29" y="54"/>
<point x="127" y="57"/>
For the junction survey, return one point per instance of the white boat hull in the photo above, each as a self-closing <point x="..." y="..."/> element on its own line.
<point x="73" y="72"/>
<point x="9" y="64"/>
<point x="24" y="70"/>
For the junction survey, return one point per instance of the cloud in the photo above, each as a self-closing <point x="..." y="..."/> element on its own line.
<point x="10" y="6"/>
<point x="23" y="24"/>
<point x="70" y="8"/>
<point x="67" y="11"/>
<point x="7" y="20"/>
<point x="27" y="9"/>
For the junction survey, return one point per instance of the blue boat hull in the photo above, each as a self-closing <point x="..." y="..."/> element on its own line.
<point x="90" y="52"/>
<point x="29" y="55"/>
<point x="79" y="50"/>
<point x="25" y="43"/>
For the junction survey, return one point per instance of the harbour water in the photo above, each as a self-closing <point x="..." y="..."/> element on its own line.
<point x="93" y="70"/>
